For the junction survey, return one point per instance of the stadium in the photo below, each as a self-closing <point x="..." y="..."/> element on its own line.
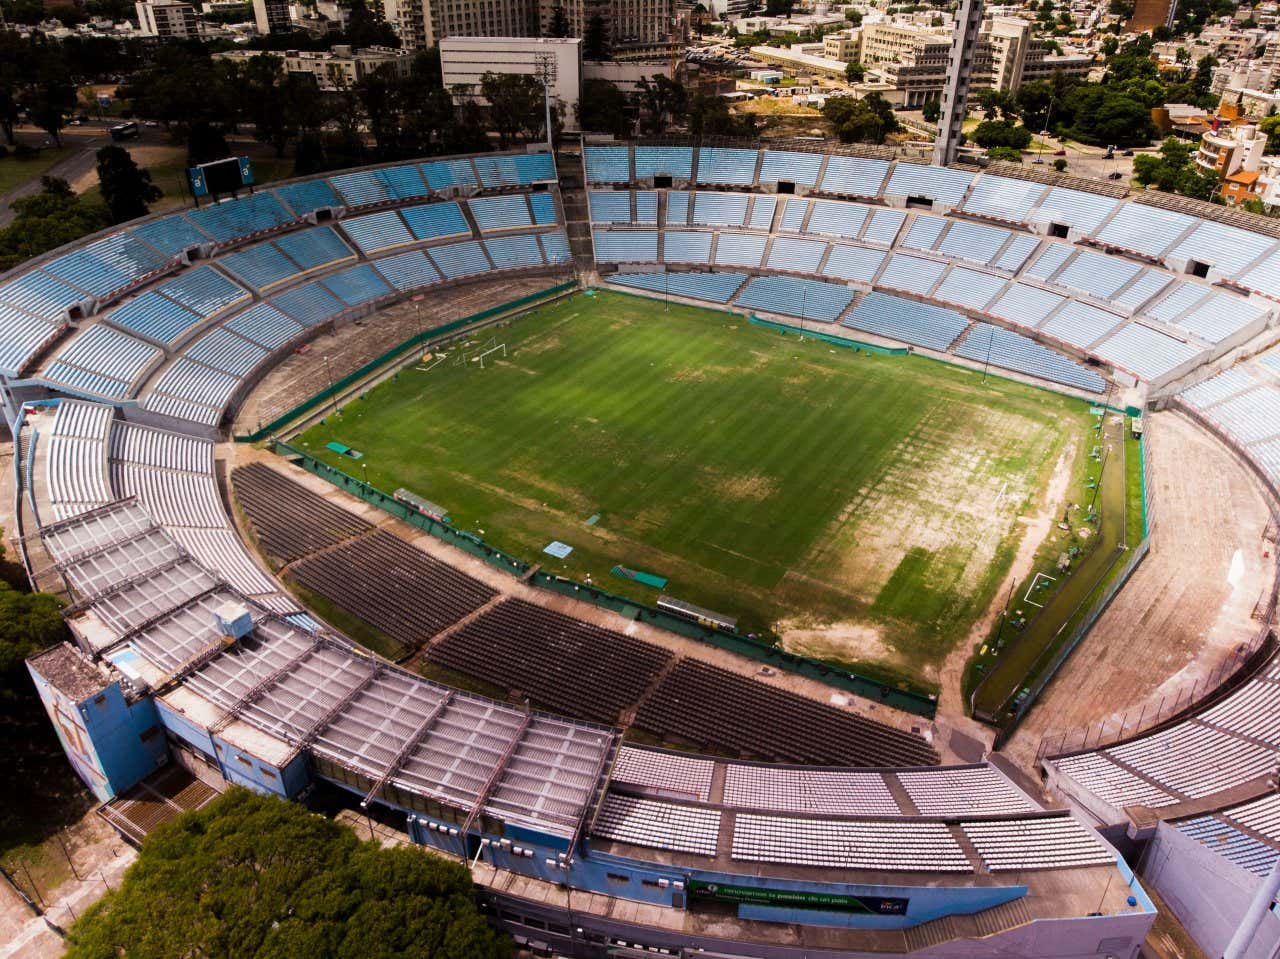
<point x="749" y="550"/>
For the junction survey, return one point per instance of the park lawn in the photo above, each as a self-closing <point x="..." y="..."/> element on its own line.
<point x="15" y="172"/>
<point x="794" y="485"/>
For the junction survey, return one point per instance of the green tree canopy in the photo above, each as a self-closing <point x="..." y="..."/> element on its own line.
<point x="255" y="876"/>
<point x="854" y="71"/>
<point x="931" y="110"/>
<point x="125" y="189"/>
<point x="1172" y="170"/>
<point x="595" y="39"/>
<point x="515" y="105"/>
<point x="29" y="622"/>
<point x="1000" y="133"/>
<point x="602" y="108"/>
<point x="868" y="120"/>
<point x="46" y="221"/>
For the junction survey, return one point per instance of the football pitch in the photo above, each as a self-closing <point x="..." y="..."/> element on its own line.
<point x="858" y="507"/>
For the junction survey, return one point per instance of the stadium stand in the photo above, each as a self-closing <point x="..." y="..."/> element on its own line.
<point x="675" y="162"/>
<point x="854" y="176"/>
<point x="102" y="361"/>
<point x="906" y="320"/>
<point x="790" y="167"/>
<point x="848" y="844"/>
<point x="288" y="520"/>
<point x="686" y="246"/>
<point x="829" y="792"/>
<point x="108" y="265"/>
<point x="664" y="773"/>
<point x="1013" y="351"/>
<point x="377" y="231"/>
<point x="728" y="166"/>
<point x="808" y="299"/>
<point x="712" y="287"/>
<point x="659" y="825"/>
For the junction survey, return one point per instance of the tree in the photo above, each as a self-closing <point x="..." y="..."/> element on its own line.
<point x="1173" y="170"/>
<point x="1060" y="164"/>
<point x="1008" y="154"/>
<point x="868" y="120"/>
<point x="998" y="104"/>
<point x="205" y="143"/>
<point x="931" y="110"/>
<point x="853" y="16"/>
<point x="854" y="71"/>
<point x="1000" y="133"/>
<point x="559" y="26"/>
<point x="126" y="189"/>
<point x="256" y="876"/>
<point x="602" y="108"/>
<point x="662" y="102"/>
<point x="595" y="39"/>
<point x="52" y="98"/>
<point x="268" y="96"/>
<point x="709" y="115"/>
<point x="49" y="220"/>
<point x="515" y="105"/>
<point x="29" y="622"/>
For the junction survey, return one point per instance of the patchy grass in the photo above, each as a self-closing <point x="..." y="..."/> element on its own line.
<point x="14" y="172"/>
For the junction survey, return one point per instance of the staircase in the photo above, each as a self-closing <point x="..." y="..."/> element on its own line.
<point x="577" y="213"/>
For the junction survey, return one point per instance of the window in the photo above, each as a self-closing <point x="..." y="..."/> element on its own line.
<point x="1196" y="268"/>
<point x="1059" y="230"/>
<point x="618" y="878"/>
<point x="244" y="762"/>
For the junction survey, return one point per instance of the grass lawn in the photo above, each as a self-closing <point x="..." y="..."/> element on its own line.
<point x="860" y="507"/>
<point x="15" y="172"/>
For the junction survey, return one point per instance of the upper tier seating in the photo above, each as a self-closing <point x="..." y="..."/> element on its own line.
<point x="675" y="162"/>
<point x="102" y="361"/>
<point x="906" y="320"/>
<point x="107" y="265"/>
<point x="726" y="165"/>
<point x="232" y="220"/>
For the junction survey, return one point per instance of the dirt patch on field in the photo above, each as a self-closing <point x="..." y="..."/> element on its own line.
<point x="750" y="486"/>
<point x="844" y="642"/>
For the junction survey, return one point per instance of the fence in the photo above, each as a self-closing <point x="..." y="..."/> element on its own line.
<point x="921" y="704"/>
<point x="844" y="341"/>
<point x="378" y="362"/>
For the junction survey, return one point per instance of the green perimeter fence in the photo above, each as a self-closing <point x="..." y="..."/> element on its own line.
<point x="846" y="342"/>
<point x="378" y="362"/>
<point x="910" y="701"/>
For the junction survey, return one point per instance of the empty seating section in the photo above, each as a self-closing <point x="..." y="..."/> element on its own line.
<point x="762" y="210"/>
<point x="377" y="231"/>
<point x="883" y="226"/>
<point x="1230" y="843"/>
<point x="727" y="165"/>
<point x="848" y="844"/>
<point x="1146" y="230"/>
<point x="501" y="212"/>
<point x="314" y="248"/>
<point x="460" y="259"/>
<point x="740" y="249"/>
<point x="686" y="246"/>
<point x="1096" y="274"/>
<point x="712" y="287"/>
<point x="1016" y="253"/>
<point x="102" y="361"/>
<point x="1148" y="284"/>
<point x="40" y="295"/>
<point x="76" y="470"/>
<point x="520" y="170"/>
<point x="924" y="232"/>
<point x="911" y="274"/>
<point x="806" y="299"/>
<point x="203" y="290"/>
<point x="402" y="182"/>
<point x="969" y="288"/>
<point x="553" y="660"/>
<point x="1251" y="416"/>
<point x="1227" y="249"/>
<point x="151" y="315"/>
<point x="544" y="209"/>
<point x="1219" y="316"/>
<point x="309" y="304"/>
<point x="933" y="327"/>
<point x="223" y="350"/>
<point x="443" y="174"/>
<point x="233" y="220"/>
<point x="963" y="791"/>
<point x="663" y="773"/>
<point x="265" y="325"/>
<point x="192" y="391"/>
<point x="838" y="219"/>
<point x="288" y="520"/>
<point x="795" y="255"/>
<point x="627" y="246"/>
<point x="853" y="263"/>
<point x="259" y="266"/>
<point x="790" y="167"/>
<point x="362" y="188"/>
<point x="973" y="241"/>
<point x="1217" y="388"/>
<point x="1145" y="352"/>
<point x="22" y="336"/>
<point x="1080" y="324"/>
<point x="675" y="162"/>
<point x="356" y="285"/>
<point x="831" y="792"/>
<point x="308" y="196"/>
<point x="678" y="207"/>
<point x="407" y="271"/>
<point x="659" y="825"/>
<point x="1026" y="305"/>
<point x="1049" y="261"/>
<point x="171" y="235"/>
<point x="646" y="206"/>
<point x="1048" y="843"/>
<point x="398" y="589"/>
<point x="555" y="247"/>
<point x="107" y="265"/>
<point x="793" y="214"/>
<point x="854" y="176"/>
<point x="1002" y="198"/>
<point x="1012" y="351"/>
<point x="719" y="209"/>
<point x="710" y="707"/>
<point x="940" y="184"/>
<point x="1074" y="209"/>
<point x="608" y="164"/>
<point x="610" y="206"/>
<point x="514" y="252"/>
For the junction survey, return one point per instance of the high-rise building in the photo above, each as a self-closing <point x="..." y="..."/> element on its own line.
<point x="272" y="16"/>
<point x="167" y="20"/>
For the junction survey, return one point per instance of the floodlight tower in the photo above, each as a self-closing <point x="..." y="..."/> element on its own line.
<point x="955" y="91"/>
<point x="545" y="70"/>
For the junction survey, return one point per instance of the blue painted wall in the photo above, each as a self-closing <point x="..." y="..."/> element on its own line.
<point x="245" y="769"/>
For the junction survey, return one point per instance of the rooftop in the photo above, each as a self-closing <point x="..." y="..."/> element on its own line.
<point x="69" y="672"/>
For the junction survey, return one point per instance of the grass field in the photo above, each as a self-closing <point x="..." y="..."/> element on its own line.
<point x="862" y="508"/>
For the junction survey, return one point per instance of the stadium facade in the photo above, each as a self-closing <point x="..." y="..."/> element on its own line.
<point x="123" y="356"/>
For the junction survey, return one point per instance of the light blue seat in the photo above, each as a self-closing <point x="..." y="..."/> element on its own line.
<point x="155" y="317"/>
<point x="795" y="255"/>
<point x="40" y="295"/>
<point x="911" y="274"/>
<point x="1013" y="351"/>
<point x="170" y="235"/>
<point x="408" y="271"/>
<point x="544" y="209"/>
<point x="924" y="232"/>
<point x="610" y="206"/>
<point x="941" y="184"/>
<point x="377" y="231"/>
<point x="1227" y="249"/>
<point x="973" y="241"/>
<point x="1050" y="260"/>
<point x="646" y="206"/>
<point x="204" y="290"/>
<point x="762" y="210"/>
<point x="1026" y="305"/>
<point x="314" y="248"/>
<point x="106" y="265"/>
<point x="1004" y="198"/>
<point x="883" y="226"/>
<point x="608" y="164"/>
<point x="626" y="246"/>
<point x="361" y="188"/>
<point x="791" y="296"/>
<point x="403" y="182"/>
<point x="790" y="167"/>
<point x="833" y="218"/>
<point x="555" y="247"/>
<point x="1080" y="324"/>
<point x="675" y="162"/>
<point x="727" y="165"/>
<point x="442" y="174"/>
<point x="678" y="207"/>
<point x="259" y="266"/>
<point x="793" y="214"/>
<point x="309" y="304"/>
<point x="857" y="263"/>
<point x="718" y="287"/>
<point x="1219" y="316"/>
<point x="968" y="288"/>
<point x="686" y="246"/>
<point x="854" y="176"/>
<point x="356" y="285"/>
<point x="1096" y="274"/>
<point x="501" y="212"/>
<point x="112" y="360"/>
<point x="240" y="218"/>
<point x="461" y="259"/>
<point x="309" y="196"/>
<point x="201" y="391"/>
<point x="22" y="336"/>
<point x="1146" y="230"/>
<point x="1074" y="209"/>
<point x="921" y="324"/>
<point x="1017" y="252"/>
<point x="1143" y="289"/>
<point x="436" y="220"/>
<point x="740" y="249"/>
<point x="265" y="325"/>
<point x="520" y="170"/>
<point x="1150" y="354"/>
<point x="514" y="252"/>
<point x="720" y="209"/>
<point x="223" y="350"/>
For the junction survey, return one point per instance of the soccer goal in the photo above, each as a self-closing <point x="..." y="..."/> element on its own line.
<point x="500" y="349"/>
